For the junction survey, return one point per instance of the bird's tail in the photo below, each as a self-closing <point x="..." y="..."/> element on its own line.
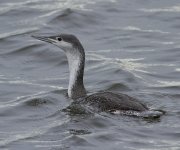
<point x="148" y="114"/>
<point x="153" y="113"/>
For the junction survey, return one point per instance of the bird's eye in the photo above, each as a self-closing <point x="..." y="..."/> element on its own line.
<point x="59" y="39"/>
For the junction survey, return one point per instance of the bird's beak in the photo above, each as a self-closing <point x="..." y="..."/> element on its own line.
<point x="46" y="39"/>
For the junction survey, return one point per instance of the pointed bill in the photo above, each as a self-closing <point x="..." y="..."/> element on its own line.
<point x="45" y="39"/>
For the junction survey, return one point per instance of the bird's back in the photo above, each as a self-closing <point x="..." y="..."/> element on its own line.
<point x="107" y="101"/>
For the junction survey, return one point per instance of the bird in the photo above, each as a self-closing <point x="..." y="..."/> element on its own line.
<point x="105" y="101"/>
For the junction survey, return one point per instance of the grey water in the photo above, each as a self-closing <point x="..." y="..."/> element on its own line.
<point x="132" y="47"/>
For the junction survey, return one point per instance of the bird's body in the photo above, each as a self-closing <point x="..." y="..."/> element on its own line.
<point x="103" y="101"/>
<point x="108" y="101"/>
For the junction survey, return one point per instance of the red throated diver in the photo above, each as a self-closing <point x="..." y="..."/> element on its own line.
<point x="104" y="101"/>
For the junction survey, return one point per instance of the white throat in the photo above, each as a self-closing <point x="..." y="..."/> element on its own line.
<point x="74" y="67"/>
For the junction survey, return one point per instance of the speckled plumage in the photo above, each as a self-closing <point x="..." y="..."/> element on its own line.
<point x="108" y="101"/>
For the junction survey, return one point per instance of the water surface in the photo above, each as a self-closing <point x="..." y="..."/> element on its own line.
<point x="131" y="47"/>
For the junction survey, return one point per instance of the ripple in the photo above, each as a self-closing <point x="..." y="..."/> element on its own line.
<point x="23" y="82"/>
<point x="178" y="69"/>
<point x="117" y="87"/>
<point x="76" y="4"/>
<point x="169" y="84"/>
<point x="67" y="12"/>
<point x="133" y="28"/>
<point x="18" y="32"/>
<point x="38" y="101"/>
<point x="167" y="9"/>
<point x="71" y="18"/>
<point x="128" y="63"/>
<point x="23" y="50"/>
<point x="28" y="134"/>
<point x="20" y="99"/>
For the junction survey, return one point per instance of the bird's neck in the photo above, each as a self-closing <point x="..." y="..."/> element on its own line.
<point x="76" y="63"/>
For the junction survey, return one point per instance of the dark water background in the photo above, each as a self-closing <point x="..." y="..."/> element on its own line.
<point x="132" y="46"/>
